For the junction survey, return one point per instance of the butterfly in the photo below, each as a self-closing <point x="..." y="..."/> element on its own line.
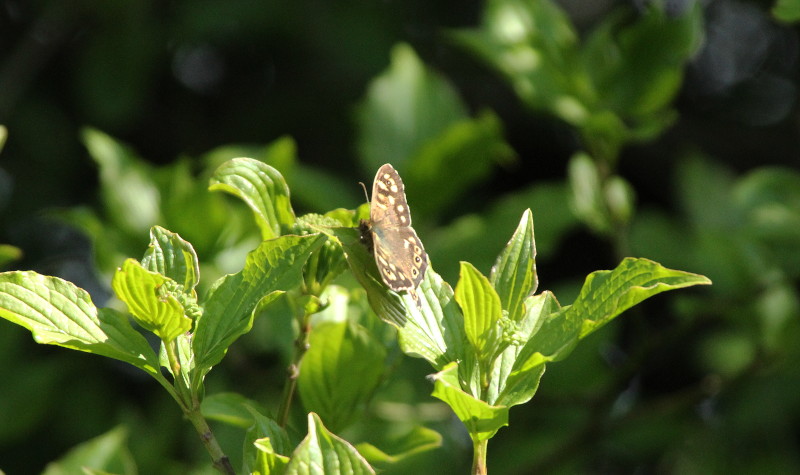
<point x="399" y="254"/>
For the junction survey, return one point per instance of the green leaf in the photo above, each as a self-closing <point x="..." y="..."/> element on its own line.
<point x="555" y="331"/>
<point x="481" y="419"/>
<point x="477" y="142"/>
<point x="534" y="45"/>
<point x="321" y="452"/>
<point x="339" y="372"/>
<point x="769" y="200"/>
<point x="151" y="307"/>
<point x="481" y="307"/>
<point x="417" y="440"/>
<point x="276" y="265"/>
<point x="787" y="11"/>
<point x="615" y="88"/>
<point x="587" y="193"/>
<point x="606" y="294"/>
<point x="230" y="408"/>
<point x="130" y="195"/>
<point x="514" y="272"/>
<point x="435" y="328"/>
<point x="265" y="460"/>
<point x="183" y="344"/>
<point x="3" y="136"/>
<point x="405" y="108"/>
<point x="59" y="313"/>
<point x="266" y="445"/>
<point x="264" y="190"/>
<point x="9" y="253"/>
<point x="173" y="257"/>
<point x="515" y="376"/>
<point x="637" y="67"/>
<point x="326" y="264"/>
<point x="106" y="453"/>
<point x="264" y="426"/>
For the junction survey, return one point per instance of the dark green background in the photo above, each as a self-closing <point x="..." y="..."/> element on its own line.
<point x="655" y="392"/>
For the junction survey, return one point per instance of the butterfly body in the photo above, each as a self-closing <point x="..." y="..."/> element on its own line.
<point x="399" y="254"/>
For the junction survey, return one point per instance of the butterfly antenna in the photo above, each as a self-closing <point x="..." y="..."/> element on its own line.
<point x="366" y="195"/>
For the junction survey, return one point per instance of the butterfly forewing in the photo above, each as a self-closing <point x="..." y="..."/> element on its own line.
<point x="389" y="207"/>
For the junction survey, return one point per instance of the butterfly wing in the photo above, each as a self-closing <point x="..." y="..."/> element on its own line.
<point x="400" y="257"/>
<point x="399" y="254"/>
<point x="389" y="207"/>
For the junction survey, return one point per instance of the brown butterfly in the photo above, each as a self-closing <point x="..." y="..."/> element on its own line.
<point x="399" y="254"/>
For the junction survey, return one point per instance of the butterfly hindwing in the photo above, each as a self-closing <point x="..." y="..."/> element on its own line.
<point x="400" y="257"/>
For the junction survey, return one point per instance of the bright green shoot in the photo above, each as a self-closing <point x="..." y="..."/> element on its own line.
<point x="490" y="339"/>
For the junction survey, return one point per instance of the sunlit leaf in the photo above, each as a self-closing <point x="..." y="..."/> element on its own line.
<point x="275" y="266"/>
<point x="265" y="460"/>
<point x="266" y="446"/>
<point x="264" y="190"/>
<point x="173" y="257"/>
<point x="514" y="272"/>
<point x="322" y="452"/>
<point x="59" y="313"/>
<point x="151" y="307"/>
<point x="515" y="379"/>
<point x="606" y="294"/>
<point x="481" y="419"/>
<point x="480" y="305"/>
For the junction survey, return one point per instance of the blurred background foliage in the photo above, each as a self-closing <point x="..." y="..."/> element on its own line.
<point x="667" y="130"/>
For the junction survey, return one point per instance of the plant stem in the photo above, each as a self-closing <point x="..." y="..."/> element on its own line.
<point x="190" y="405"/>
<point x="479" y="457"/>
<point x="220" y="460"/>
<point x="300" y="347"/>
<point x="172" y="356"/>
